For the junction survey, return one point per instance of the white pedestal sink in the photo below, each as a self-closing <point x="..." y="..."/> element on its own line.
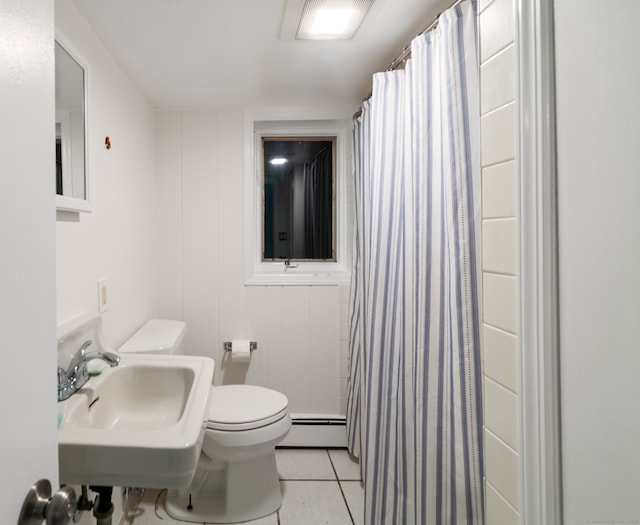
<point x="138" y="424"/>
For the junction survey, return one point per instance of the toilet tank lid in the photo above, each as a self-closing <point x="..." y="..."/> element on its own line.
<point x="160" y="336"/>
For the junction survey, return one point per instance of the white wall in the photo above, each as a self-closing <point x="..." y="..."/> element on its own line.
<point x="301" y="331"/>
<point x="499" y="261"/>
<point x="598" y="114"/>
<point x="166" y="229"/>
<point x="116" y="240"/>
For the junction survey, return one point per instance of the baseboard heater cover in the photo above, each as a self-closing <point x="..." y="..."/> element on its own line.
<point x="316" y="430"/>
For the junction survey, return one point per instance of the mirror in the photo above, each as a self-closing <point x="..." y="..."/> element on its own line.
<point x="71" y="129"/>
<point x="299" y="198"/>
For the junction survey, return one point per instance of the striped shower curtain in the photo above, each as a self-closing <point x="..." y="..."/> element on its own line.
<point x="414" y="397"/>
<point x="318" y="206"/>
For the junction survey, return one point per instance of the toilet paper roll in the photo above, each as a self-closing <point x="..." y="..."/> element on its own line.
<point x="240" y="350"/>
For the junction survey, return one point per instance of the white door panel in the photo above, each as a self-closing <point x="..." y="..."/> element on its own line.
<point x="28" y="445"/>
<point x="598" y="115"/>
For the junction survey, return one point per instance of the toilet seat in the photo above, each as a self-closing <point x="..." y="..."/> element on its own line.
<point x="244" y="407"/>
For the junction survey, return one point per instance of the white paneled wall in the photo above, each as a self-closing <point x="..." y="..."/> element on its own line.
<point x="343" y="338"/>
<point x="499" y="261"/>
<point x="168" y="218"/>
<point x="300" y="330"/>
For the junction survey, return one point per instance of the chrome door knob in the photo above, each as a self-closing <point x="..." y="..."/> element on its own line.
<point x="39" y="505"/>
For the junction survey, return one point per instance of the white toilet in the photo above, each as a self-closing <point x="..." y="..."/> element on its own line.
<point x="236" y="479"/>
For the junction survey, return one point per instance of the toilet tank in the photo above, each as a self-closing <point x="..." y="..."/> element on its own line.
<point x="157" y="336"/>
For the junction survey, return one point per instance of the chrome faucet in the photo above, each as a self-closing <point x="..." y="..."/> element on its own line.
<point x="76" y="375"/>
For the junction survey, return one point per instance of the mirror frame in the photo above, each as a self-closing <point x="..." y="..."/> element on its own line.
<point x="75" y="204"/>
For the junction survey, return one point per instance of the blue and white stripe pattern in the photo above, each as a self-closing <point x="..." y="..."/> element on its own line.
<point x="414" y="414"/>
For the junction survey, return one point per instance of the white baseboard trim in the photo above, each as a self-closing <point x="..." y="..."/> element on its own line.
<point x="316" y="430"/>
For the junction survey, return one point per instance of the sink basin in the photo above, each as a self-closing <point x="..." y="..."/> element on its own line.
<point x="138" y="424"/>
<point x="137" y="398"/>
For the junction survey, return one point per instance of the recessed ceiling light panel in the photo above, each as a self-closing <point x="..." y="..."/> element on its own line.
<point x="331" y="19"/>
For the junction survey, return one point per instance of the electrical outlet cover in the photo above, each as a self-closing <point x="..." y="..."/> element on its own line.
<point x="103" y="295"/>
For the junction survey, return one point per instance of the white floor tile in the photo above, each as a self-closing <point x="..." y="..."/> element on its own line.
<point x="272" y="519"/>
<point x="346" y="466"/>
<point x="311" y="494"/>
<point x="354" y="494"/>
<point x="309" y="464"/>
<point x="151" y="510"/>
<point x="313" y="503"/>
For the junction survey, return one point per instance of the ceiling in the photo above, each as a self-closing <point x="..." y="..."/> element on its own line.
<point x="213" y="53"/>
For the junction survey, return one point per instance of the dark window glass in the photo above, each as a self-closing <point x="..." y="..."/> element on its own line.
<point x="299" y="200"/>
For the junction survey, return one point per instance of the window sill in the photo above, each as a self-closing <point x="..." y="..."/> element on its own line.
<point x="297" y="277"/>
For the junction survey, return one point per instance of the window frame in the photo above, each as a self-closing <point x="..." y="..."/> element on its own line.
<point x="298" y="272"/>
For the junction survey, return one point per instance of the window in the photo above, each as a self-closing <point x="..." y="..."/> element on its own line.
<point x="299" y="199"/>
<point x="297" y="190"/>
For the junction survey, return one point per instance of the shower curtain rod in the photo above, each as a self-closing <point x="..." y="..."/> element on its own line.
<point x="401" y="59"/>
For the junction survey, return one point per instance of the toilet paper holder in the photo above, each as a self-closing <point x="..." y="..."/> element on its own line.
<point x="253" y="345"/>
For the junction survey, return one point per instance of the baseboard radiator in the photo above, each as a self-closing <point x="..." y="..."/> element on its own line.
<point x="316" y="430"/>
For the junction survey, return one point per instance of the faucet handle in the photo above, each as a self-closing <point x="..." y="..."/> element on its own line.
<point x="62" y="377"/>
<point x="79" y="356"/>
<point x="83" y="348"/>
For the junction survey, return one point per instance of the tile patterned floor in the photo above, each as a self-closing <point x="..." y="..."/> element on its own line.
<point x="319" y="487"/>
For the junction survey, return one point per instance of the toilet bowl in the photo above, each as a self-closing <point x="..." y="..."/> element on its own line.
<point x="236" y="478"/>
